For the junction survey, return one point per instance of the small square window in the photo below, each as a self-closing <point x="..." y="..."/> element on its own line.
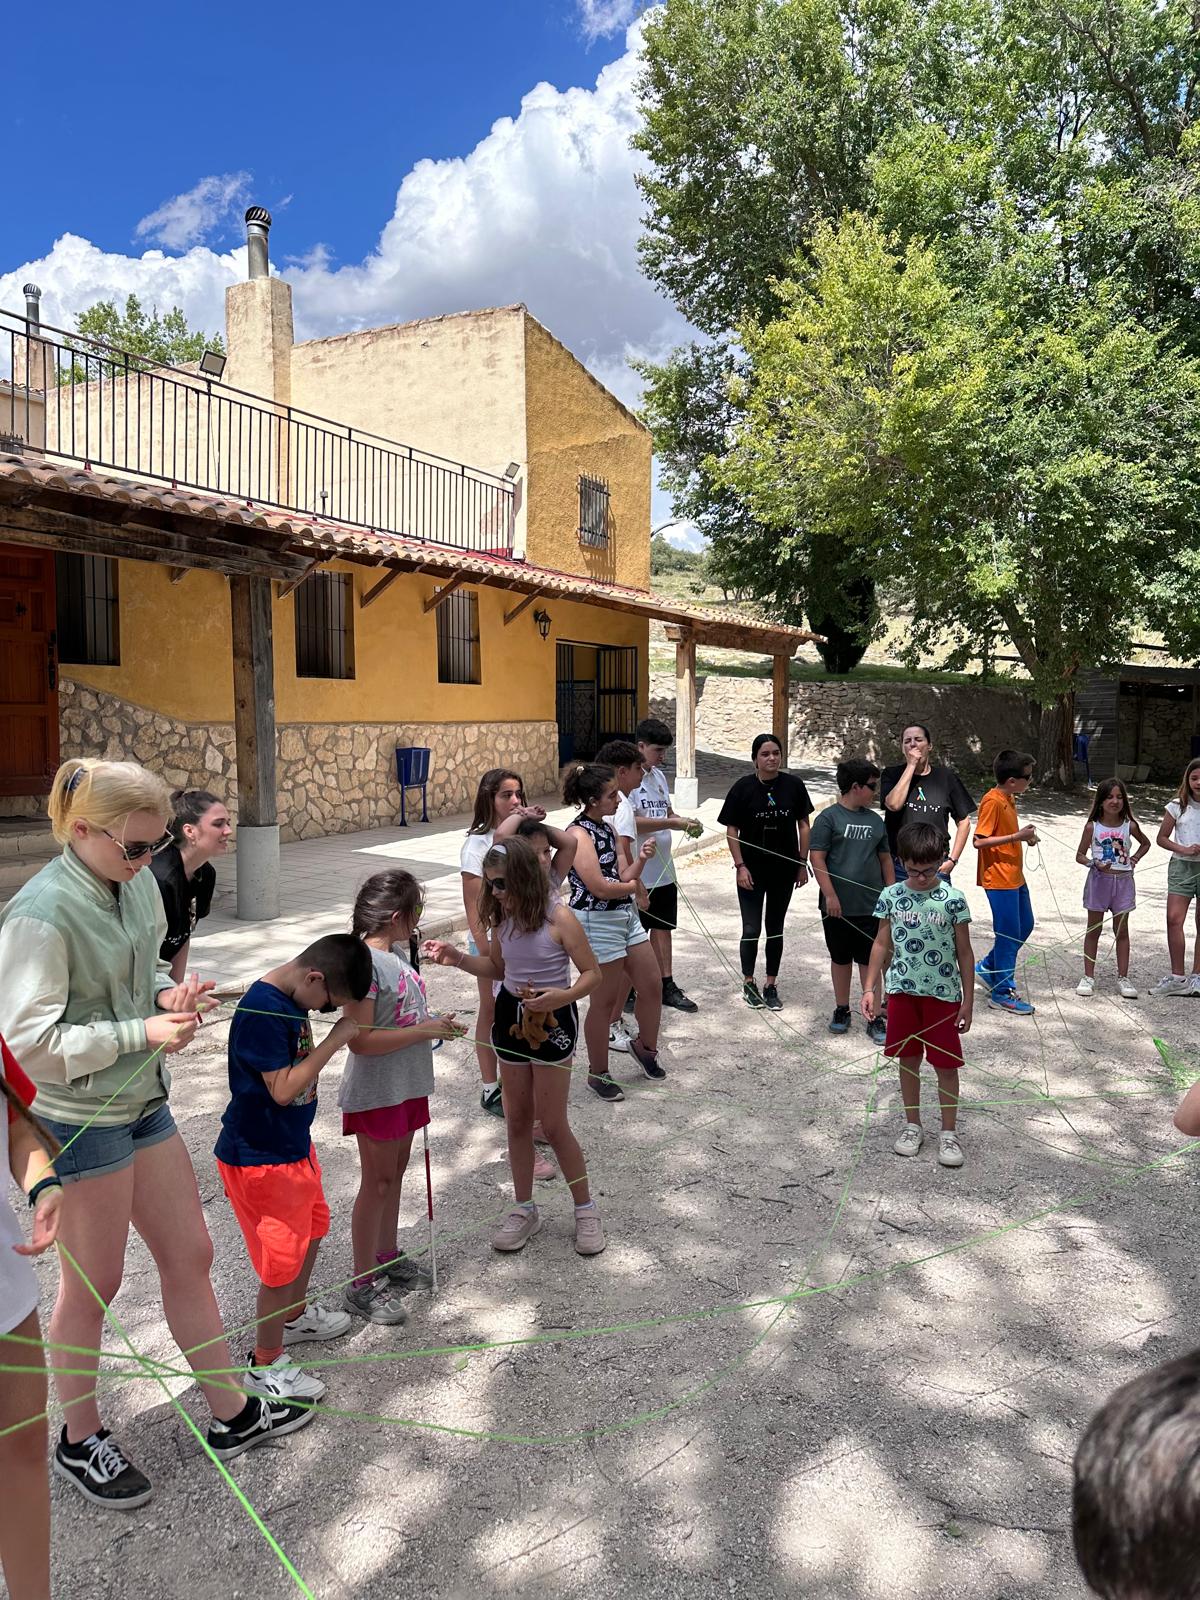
<point x="458" y="638"/>
<point x="593" y="512"/>
<point x="325" y="626"/>
<point x="87" y="610"/>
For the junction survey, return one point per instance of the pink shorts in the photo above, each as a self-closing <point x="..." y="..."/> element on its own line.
<point x="917" y="1022"/>
<point x="388" y="1122"/>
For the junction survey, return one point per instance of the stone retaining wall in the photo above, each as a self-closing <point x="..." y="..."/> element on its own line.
<point x="969" y="722"/>
<point x="332" y="777"/>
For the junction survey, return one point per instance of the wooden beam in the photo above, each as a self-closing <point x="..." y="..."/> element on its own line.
<point x="290" y="585"/>
<point x="444" y="593"/>
<point x="131" y="548"/>
<point x="685" y="704"/>
<point x="377" y="589"/>
<point x="781" y="701"/>
<point x="254" y="701"/>
<point x="178" y="574"/>
<point x="517" y="610"/>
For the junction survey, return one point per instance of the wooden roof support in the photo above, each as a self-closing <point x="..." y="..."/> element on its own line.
<point x="254" y="741"/>
<point x="516" y="611"/>
<point x="178" y="574"/>
<point x="781" y="666"/>
<point x="444" y="593"/>
<point x="290" y="585"/>
<point x="377" y="589"/>
<point x="687" y="785"/>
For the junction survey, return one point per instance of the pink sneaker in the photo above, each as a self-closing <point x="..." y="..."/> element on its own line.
<point x="589" y="1233"/>
<point x="539" y="1134"/>
<point x="543" y="1168"/>
<point x="518" y="1227"/>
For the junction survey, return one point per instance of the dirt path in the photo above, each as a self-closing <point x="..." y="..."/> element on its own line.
<point x="666" y="1423"/>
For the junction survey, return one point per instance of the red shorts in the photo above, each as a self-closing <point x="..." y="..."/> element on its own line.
<point x="388" y="1122"/>
<point x="917" y="1022"/>
<point x="280" y="1211"/>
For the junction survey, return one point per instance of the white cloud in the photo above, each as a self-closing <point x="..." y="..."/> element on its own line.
<point x="601" y="18"/>
<point x="543" y="210"/>
<point x="684" y="537"/>
<point x="198" y="214"/>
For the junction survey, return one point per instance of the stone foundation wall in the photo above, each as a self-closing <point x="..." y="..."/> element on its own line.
<point x="1166" y="736"/>
<point x="969" y="722"/>
<point x="332" y="777"/>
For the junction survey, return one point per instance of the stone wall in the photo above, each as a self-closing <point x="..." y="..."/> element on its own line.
<point x="829" y="720"/>
<point x="1166" y="735"/>
<point x="332" y="777"/>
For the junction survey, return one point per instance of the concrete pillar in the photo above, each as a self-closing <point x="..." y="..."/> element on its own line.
<point x="254" y="736"/>
<point x="257" y="873"/>
<point x="687" y="784"/>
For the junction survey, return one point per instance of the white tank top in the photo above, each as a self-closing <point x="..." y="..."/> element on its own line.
<point x="1111" y="846"/>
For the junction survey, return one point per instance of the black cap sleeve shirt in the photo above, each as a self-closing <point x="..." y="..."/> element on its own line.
<point x="938" y="796"/>
<point x="766" y="816"/>
<point x="185" y="900"/>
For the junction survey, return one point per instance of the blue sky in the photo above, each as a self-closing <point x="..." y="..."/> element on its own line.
<point x="417" y="158"/>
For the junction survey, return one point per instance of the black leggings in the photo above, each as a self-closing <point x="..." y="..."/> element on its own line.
<point x="777" y="896"/>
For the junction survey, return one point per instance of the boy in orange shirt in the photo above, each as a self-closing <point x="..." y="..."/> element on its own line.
<point x="998" y="839"/>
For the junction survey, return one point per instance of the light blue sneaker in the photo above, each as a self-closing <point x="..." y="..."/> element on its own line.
<point x="984" y="976"/>
<point x="1010" y="1000"/>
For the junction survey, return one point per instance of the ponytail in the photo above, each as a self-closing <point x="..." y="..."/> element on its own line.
<point x="585" y="781"/>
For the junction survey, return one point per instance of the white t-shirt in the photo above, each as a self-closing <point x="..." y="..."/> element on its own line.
<point x="475" y="847"/>
<point x="624" y="824"/>
<point x="652" y="798"/>
<point x="1187" y="821"/>
<point x="18" y="1286"/>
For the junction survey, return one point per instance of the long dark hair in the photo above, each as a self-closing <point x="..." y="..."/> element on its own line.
<point x="384" y="896"/>
<point x="584" y="783"/>
<point x="1103" y="789"/>
<point x="187" y="808"/>
<point x="527" y="889"/>
<point x="484" y="819"/>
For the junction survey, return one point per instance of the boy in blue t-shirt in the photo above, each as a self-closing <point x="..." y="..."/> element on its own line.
<point x="265" y="1153"/>
<point x="925" y="949"/>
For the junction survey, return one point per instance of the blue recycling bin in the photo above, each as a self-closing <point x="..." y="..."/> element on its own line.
<point x="412" y="772"/>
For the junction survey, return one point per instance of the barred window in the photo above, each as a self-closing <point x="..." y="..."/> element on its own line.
<point x="458" y="638"/>
<point x="325" y="626"/>
<point x="593" y="511"/>
<point x="88" y="634"/>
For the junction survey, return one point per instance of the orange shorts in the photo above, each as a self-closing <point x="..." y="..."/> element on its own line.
<point x="280" y="1211"/>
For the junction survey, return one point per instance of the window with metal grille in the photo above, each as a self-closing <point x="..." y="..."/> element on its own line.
<point x="458" y="638"/>
<point x="325" y="626"/>
<point x="593" y="511"/>
<point x="87" y="610"/>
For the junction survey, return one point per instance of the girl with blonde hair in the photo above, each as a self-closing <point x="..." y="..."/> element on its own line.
<point x="91" y="1011"/>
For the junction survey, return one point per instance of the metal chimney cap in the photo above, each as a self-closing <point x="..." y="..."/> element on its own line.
<point x="31" y="291"/>
<point x="260" y="215"/>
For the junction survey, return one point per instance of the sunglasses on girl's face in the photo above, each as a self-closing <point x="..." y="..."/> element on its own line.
<point x="496" y="885"/>
<point x="135" y="851"/>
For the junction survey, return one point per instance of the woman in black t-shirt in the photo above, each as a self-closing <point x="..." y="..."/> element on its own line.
<point x="766" y="823"/>
<point x="200" y="829"/>
<point x="918" y="791"/>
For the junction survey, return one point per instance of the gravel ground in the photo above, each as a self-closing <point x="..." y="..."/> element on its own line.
<point x="664" y="1422"/>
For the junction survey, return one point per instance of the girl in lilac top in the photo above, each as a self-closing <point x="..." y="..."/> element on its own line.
<point x="532" y="941"/>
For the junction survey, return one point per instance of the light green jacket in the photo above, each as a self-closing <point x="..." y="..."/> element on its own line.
<point x="79" y="974"/>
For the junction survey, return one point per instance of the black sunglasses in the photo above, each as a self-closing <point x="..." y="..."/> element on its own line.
<point x="497" y="885"/>
<point x="135" y="852"/>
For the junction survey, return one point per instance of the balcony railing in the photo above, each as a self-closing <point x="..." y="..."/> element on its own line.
<point x="78" y="399"/>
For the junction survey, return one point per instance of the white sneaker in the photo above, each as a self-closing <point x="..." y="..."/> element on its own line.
<point x="618" y="1038"/>
<point x="1173" y="985"/>
<point x="910" y="1141"/>
<point x="1194" y="983"/>
<point x="315" y="1322"/>
<point x="280" y="1381"/>
<point x="1086" y="987"/>
<point x="949" y="1150"/>
<point x="1128" y="989"/>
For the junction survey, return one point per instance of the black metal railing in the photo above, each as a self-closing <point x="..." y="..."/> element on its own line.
<point x="75" y="398"/>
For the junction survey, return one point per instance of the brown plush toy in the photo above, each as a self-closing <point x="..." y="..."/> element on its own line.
<point x="531" y="1027"/>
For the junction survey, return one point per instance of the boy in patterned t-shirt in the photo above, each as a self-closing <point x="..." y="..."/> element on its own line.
<point x="925" y="948"/>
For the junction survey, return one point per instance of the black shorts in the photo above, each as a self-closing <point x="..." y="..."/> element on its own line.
<point x="663" y="910"/>
<point x="558" y="1045"/>
<point x="849" y="939"/>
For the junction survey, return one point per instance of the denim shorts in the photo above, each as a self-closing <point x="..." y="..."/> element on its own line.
<point x="612" y="933"/>
<point x="98" y="1151"/>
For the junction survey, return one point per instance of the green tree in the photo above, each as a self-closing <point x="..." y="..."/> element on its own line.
<point x="153" y="340"/>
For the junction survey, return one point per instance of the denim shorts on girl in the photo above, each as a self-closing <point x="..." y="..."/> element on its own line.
<point x="97" y="1151"/>
<point x="612" y="933"/>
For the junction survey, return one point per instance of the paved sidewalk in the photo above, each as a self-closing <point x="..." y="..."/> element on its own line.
<point x="320" y="877"/>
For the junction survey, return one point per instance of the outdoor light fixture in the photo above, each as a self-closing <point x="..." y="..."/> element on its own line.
<point x="512" y="469"/>
<point x="542" y="618"/>
<point x="212" y="363"/>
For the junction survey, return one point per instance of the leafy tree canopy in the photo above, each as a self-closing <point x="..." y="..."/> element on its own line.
<point x="166" y="340"/>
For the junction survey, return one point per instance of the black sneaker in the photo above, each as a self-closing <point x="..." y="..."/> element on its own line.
<point x="406" y="1275"/>
<point x="98" y="1468"/>
<point x="877" y="1030"/>
<point x="606" y="1089"/>
<point x="674" y="996"/>
<point x="839" y="1022"/>
<point x="647" y="1060"/>
<point x="771" y="998"/>
<point x="751" y="995"/>
<point x="490" y="1099"/>
<point x="630" y="1001"/>
<point x="271" y="1418"/>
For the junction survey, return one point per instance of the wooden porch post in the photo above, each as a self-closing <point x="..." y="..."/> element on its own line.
<point x="781" y="701"/>
<point x="254" y="734"/>
<point x="687" y="784"/>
